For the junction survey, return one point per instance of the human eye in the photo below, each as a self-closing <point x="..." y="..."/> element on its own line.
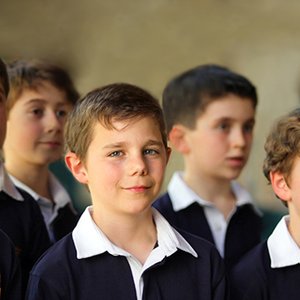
<point x="248" y="127"/>
<point x="61" y="113"/>
<point x="151" y="152"/>
<point x="116" y="153"/>
<point x="38" y="112"/>
<point x="223" y="126"/>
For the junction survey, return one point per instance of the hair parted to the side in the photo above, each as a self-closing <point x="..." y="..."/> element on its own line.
<point x="107" y="104"/>
<point x="32" y="73"/>
<point x="282" y="146"/>
<point x="187" y="95"/>
<point x="4" y="77"/>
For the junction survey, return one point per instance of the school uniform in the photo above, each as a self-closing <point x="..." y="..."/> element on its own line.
<point x="86" y="265"/>
<point x="271" y="271"/>
<point x="21" y="220"/>
<point x="233" y="237"/>
<point x="60" y="217"/>
<point x="10" y="273"/>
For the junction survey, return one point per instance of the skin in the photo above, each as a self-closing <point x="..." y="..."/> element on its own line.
<point x="124" y="169"/>
<point x="35" y="135"/>
<point x="217" y="149"/>
<point x="290" y="192"/>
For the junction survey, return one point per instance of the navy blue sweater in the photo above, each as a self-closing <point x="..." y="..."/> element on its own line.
<point x="64" y="222"/>
<point x="243" y="231"/>
<point x="60" y="275"/>
<point x="253" y="278"/>
<point x="10" y="274"/>
<point x="23" y="222"/>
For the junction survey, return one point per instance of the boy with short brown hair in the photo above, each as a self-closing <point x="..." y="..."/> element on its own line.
<point x="122" y="248"/>
<point x="20" y="219"/>
<point x="271" y="270"/>
<point x="40" y="97"/>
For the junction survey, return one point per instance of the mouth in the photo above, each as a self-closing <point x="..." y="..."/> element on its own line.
<point x="236" y="161"/>
<point x="137" y="189"/>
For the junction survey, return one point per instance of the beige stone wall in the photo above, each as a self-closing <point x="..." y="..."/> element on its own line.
<point x="147" y="42"/>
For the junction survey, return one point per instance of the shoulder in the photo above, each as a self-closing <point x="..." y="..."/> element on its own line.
<point x="55" y="257"/>
<point x="249" y="275"/>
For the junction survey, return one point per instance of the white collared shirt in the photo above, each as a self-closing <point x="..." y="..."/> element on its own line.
<point x="183" y="196"/>
<point x="7" y="186"/>
<point x="48" y="208"/>
<point x="282" y="248"/>
<point x="89" y="241"/>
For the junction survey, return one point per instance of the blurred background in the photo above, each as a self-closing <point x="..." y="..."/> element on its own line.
<point x="148" y="42"/>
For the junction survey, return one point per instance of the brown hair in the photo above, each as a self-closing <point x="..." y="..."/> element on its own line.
<point x="31" y="74"/>
<point x="282" y="145"/>
<point x="114" y="102"/>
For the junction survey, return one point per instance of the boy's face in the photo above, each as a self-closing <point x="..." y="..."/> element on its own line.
<point x="2" y="115"/>
<point x="35" y="125"/>
<point x="124" y="167"/>
<point x="219" y="146"/>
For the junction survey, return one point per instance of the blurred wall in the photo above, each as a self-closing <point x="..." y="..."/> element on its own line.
<point x="148" y="42"/>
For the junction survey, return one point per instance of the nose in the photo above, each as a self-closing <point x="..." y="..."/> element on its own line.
<point x="53" y="122"/>
<point x="238" y="138"/>
<point x="137" y="165"/>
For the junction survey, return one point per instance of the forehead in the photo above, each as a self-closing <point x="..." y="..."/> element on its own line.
<point x="45" y="91"/>
<point x="129" y="128"/>
<point x="231" y="107"/>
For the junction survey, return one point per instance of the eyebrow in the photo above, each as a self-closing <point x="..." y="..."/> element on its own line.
<point x="229" y="119"/>
<point x="147" y="144"/>
<point x="39" y="100"/>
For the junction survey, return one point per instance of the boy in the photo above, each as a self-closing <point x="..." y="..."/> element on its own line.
<point x="41" y="96"/>
<point x="20" y="216"/>
<point x="121" y="248"/>
<point x="210" y="115"/>
<point x="271" y="271"/>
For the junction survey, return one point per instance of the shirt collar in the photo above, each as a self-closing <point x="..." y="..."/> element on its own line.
<point x="7" y="186"/>
<point x="183" y="196"/>
<point x="282" y="248"/>
<point x="60" y="195"/>
<point x="89" y="240"/>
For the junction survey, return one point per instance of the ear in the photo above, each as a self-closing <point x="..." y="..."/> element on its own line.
<point x="280" y="187"/>
<point x="76" y="167"/>
<point x="177" y="138"/>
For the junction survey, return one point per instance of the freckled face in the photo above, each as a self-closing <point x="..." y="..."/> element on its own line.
<point x="125" y="166"/>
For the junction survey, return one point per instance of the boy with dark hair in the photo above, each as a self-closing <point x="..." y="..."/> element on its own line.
<point x="122" y="248"/>
<point x="271" y="270"/>
<point x="41" y="95"/>
<point x="20" y="216"/>
<point x="210" y="115"/>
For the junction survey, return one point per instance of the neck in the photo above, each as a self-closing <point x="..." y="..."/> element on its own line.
<point x="35" y="177"/>
<point x="135" y="234"/>
<point x="217" y="191"/>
